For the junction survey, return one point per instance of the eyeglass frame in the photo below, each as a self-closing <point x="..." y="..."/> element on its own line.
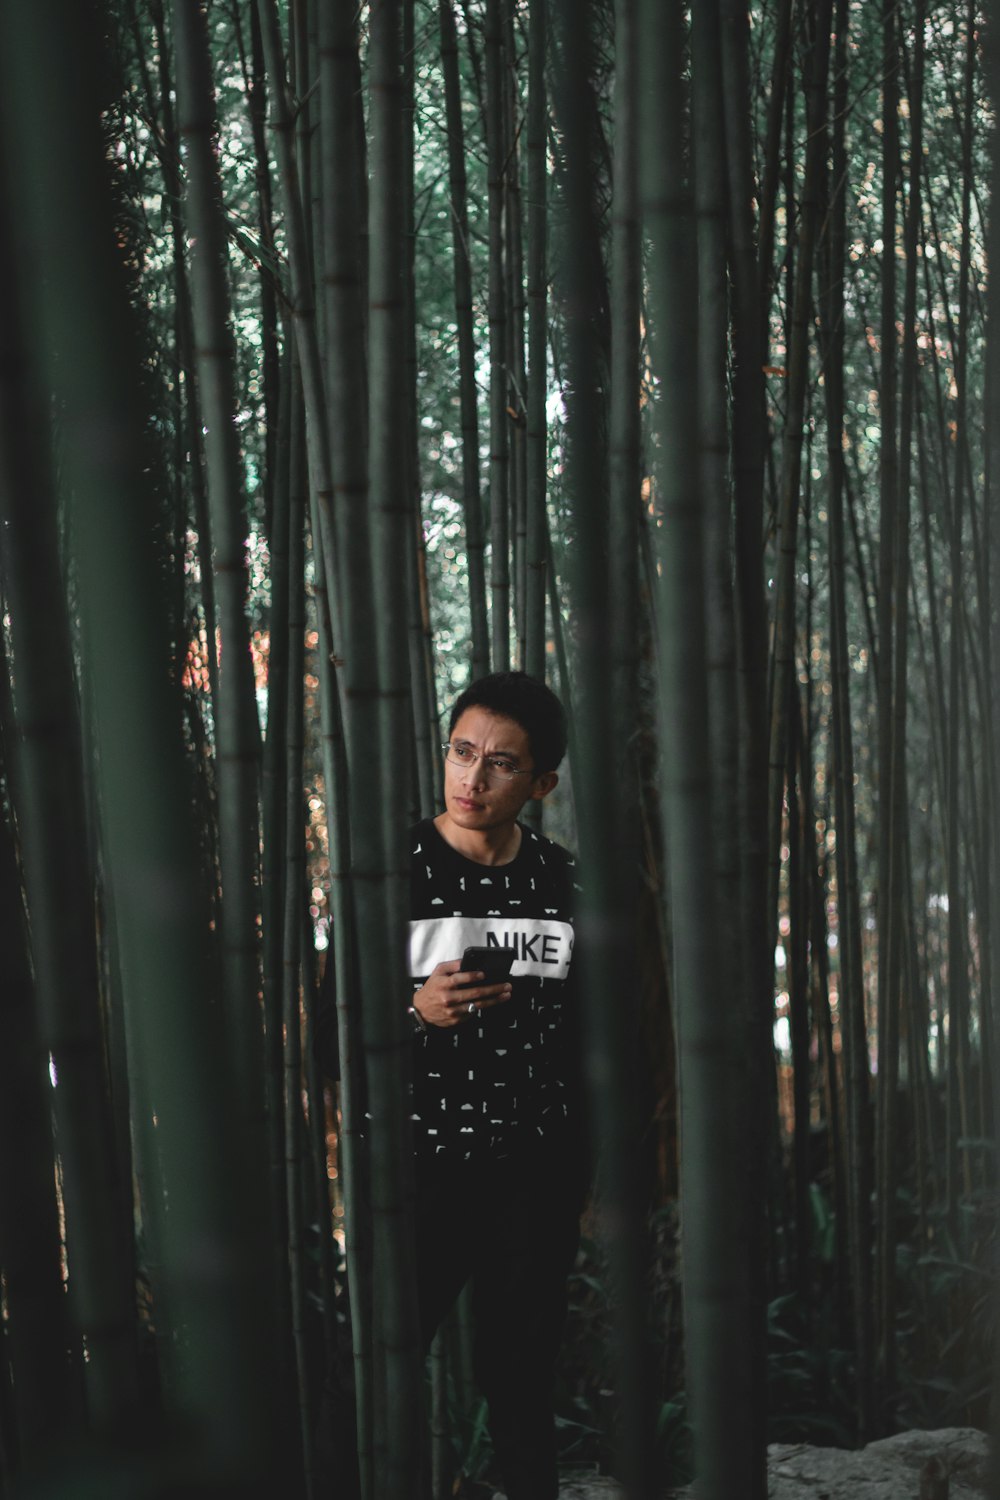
<point x="489" y="772"/>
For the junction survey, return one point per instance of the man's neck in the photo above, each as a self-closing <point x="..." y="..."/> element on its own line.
<point x="484" y="846"/>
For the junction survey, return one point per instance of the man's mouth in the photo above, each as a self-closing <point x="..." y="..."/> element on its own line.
<point x="467" y="804"/>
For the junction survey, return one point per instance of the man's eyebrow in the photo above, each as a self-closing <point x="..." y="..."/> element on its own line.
<point x="508" y="754"/>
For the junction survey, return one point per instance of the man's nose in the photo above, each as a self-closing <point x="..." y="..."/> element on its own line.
<point x="475" y="775"/>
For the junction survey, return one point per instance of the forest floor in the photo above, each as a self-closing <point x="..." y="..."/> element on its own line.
<point x="950" y="1464"/>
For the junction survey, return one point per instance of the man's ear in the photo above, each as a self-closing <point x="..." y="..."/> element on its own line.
<point x="543" y="785"/>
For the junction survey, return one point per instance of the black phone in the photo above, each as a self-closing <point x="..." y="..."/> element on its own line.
<point x="494" y="963"/>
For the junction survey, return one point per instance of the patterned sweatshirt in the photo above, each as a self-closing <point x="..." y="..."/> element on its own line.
<point x="497" y="1084"/>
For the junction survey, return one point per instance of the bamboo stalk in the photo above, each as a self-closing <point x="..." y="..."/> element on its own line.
<point x="499" y="456"/>
<point x="610" y="1033"/>
<point x="468" y="400"/>
<point x="215" y="1256"/>
<point x="992" y="443"/>
<point x="852" y="1004"/>
<point x="385" y="1036"/>
<point x="37" y="1331"/>
<point x="56" y="852"/>
<point x="536" y="453"/>
<point x="325" y="518"/>
<point x="294" y="904"/>
<point x="237" y="729"/>
<point x="749" y="434"/>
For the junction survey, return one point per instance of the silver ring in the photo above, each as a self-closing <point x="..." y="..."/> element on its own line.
<point x="472" y="1007"/>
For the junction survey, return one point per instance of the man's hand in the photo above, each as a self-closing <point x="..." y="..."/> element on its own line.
<point x="445" y="997"/>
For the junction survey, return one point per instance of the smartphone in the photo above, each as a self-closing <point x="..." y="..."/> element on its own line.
<point x="494" y="963"/>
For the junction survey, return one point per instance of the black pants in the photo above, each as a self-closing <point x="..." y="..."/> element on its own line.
<point x="513" y="1226"/>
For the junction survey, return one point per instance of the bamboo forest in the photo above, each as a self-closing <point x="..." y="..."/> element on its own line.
<point x="352" y="350"/>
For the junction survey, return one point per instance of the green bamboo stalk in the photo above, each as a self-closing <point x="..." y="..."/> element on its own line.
<point x="190" y="425"/>
<point x="709" y="1044"/>
<point x="237" y="729"/>
<point x="318" y="1154"/>
<point x="256" y="95"/>
<point x="468" y="400"/>
<point x="387" y="1045"/>
<point x="37" y="1330"/>
<point x="791" y="465"/>
<point x="797" y="958"/>
<point x="851" y="986"/>
<point x="354" y="852"/>
<point x="295" y="882"/>
<point x="287" y="481"/>
<point x="610" y="1032"/>
<point x="215" y="1255"/>
<point x="302" y="77"/>
<point x="890" y="602"/>
<point x="958" y="997"/>
<point x="720" y="663"/>
<point x="536" y="455"/>
<point x="749" y="436"/>
<point x="514" y="300"/>
<point x="894" y="653"/>
<point x="329" y="541"/>
<point x="426" y="741"/>
<point x="499" y="456"/>
<point x="624" y="445"/>
<point x="780" y="74"/>
<point x="57" y="855"/>
<point x="992" y="443"/>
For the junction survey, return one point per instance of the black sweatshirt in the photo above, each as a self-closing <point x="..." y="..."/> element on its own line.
<point x="497" y="1084"/>
<point x="510" y="1076"/>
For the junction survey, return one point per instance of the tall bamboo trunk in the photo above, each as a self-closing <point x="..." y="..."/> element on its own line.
<point x="38" y="1328"/>
<point x="791" y="467"/>
<point x="237" y="730"/>
<point x="958" y="996"/>
<point x="889" y="602"/>
<point x="294" y="906"/>
<point x="708" y="1042"/>
<point x="468" y="398"/>
<point x="429" y="776"/>
<point x="387" y="1044"/>
<point x="749" y="435"/>
<point x="288" y="481"/>
<point x="514" y="297"/>
<point x="323" y="513"/>
<point x="723" y="737"/>
<point x="611" y="1032"/>
<point x="851" y="983"/>
<point x="57" y="854"/>
<point x="624" y="443"/>
<point x="499" y="456"/>
<point x="536" y="453"/>
<point x="992" y="69"/>
<point x="215" y="1256"/>
<point x="355" y="837"/>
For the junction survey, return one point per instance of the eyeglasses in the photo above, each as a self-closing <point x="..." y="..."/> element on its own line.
<point x="495" y="767"/>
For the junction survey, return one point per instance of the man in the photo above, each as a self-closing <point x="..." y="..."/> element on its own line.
<point x="497" y="1119"/>
<point x="496" y="1094"/>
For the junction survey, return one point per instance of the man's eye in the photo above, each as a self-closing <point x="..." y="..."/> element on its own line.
<point x="505" y="767"/>
<point x="462" y="751"/>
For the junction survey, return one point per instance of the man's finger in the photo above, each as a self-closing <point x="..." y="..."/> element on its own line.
<point x="461" y="999"/>
<point x="465" y="977"/>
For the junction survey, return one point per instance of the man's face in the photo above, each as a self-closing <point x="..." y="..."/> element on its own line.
<point x="476" y="798"/>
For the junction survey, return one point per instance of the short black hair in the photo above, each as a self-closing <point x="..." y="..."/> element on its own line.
<point x="529" y="703"/>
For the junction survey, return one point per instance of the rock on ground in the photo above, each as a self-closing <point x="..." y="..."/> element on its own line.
<point x="890" y="1469"/>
